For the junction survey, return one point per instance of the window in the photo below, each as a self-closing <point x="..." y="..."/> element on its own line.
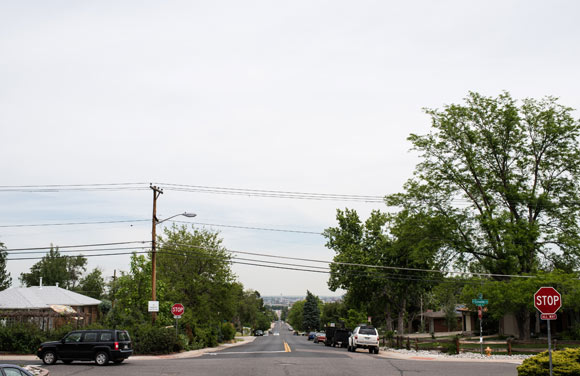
<point x="90" y="337"/>
<point x="106" y="336"/>
<point x="124" y="336"/>
<point x="367" y="331"/>
<point x="73" y="337"/>
<point x="12" y="372"/>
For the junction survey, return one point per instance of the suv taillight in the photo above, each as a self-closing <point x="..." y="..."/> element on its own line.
<point x="116" y="345"/>
<point x="355" y="337"/>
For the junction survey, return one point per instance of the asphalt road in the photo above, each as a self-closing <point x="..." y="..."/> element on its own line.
<point x="284" y="355"/>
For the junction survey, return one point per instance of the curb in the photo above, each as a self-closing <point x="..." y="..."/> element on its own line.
<point x="195" y="353"/>
<point x="182" y="355"/>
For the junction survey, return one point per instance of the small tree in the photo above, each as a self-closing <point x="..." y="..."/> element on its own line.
<point x="5" y="279"/>
<point x="311" y="312"/>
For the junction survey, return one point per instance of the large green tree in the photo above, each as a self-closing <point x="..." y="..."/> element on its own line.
<point x="5" y="279"/>
<point x="505" y="175"/>
<point x="197" y="267"/>
<point x="55" y="268"/>
<point x="392" y="246"/>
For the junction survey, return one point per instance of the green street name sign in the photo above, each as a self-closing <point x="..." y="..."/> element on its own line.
<point x="479" y="302"/>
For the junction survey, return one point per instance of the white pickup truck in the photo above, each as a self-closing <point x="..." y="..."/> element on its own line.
<point x="366" y="337"/>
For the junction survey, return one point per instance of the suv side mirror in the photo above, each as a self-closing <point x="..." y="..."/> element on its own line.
<point x="62" y="340"/>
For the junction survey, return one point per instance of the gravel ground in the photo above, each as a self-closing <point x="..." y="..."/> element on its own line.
<point x="465" y="355"/>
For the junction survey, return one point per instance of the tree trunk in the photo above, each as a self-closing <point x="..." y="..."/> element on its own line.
<point x="523" y="321"/>
<point x="389" y="317"/>
<point x="401" y="317"/>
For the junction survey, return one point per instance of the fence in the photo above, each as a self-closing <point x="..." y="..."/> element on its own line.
<point x="458" y="345"/>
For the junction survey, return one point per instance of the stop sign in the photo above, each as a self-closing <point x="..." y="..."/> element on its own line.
<point x="547" y="300"/>
<point x="177" y="309"/>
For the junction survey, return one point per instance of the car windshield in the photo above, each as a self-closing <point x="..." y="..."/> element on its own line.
<point x="367" y="331"/>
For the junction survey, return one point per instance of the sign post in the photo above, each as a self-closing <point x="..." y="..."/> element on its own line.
<point x="548" y="301"/>
<point x="479" y="302"/>
<point x="177" y="311"/>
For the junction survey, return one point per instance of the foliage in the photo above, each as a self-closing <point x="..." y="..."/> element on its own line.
<point x="332" y="312"/>
<point x="198" y="269"/>
<point x="295" y="315"/>
<point x="55" y="269"/>
<point x="388" y="242"/>
<point x="564" y="362"/>
<point x="515" y="295"/>
<point x="228" y="331"/>
<point x="5" y="279"/>
<point x="148" y="339"/>
<point x="252" y="312"/>
<point x="311" y="312"/>
<point x="515" y="171"/>
<point x="354" y="318"/>
<point x="93" y="284"/>
<point x="130" y="293"/>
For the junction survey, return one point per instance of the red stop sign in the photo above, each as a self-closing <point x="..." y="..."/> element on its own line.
<point x="177" y="309"/>
<point x="547" y="300"/>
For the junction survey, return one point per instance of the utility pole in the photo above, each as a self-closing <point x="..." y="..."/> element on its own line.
<point x="156" y="192"/>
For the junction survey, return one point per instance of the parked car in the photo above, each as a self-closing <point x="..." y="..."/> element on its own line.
<point x="13" y="370"/>
<point x="311" y="335"/>
<point x="320" y="337"/>
<point x="258" y="333"/>
<point x="98" y="345"/>
<point x="366" y="337"/>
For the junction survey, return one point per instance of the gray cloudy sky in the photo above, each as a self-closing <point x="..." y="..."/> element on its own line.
<point x="307" y="96"/>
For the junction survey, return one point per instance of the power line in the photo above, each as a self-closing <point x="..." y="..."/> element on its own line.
<point x="74" y="223"/>
<point x="290" y="258"/>
<point x="148" y="220"/>
<point x="78" y="246"/>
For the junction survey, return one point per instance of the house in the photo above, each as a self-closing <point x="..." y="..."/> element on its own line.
<point x="48" y="306"/>
<point x="437" y="321"/>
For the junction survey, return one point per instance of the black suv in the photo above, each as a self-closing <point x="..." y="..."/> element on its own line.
<point x="98" y="345"/>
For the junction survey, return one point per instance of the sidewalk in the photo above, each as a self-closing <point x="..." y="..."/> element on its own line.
<point x="186" y="354"/>
<point x="438" y="357"/>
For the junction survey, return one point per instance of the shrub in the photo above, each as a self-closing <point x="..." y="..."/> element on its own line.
<point x="21" y="338"/>
<point x="564" y="363"/>
<point x="228" y="331"/>
<point x="149" y="339"/>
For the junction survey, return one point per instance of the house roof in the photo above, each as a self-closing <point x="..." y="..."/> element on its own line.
<point x="42" y="297"/>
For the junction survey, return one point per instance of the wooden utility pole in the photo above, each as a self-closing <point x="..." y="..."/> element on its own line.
<point x="156" y="192"/>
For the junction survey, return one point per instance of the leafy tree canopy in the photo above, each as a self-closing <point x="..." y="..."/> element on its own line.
<point x="505" y="177"/>
<point x="54" y="268"/>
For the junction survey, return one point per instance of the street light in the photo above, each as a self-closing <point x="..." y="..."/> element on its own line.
<point x="156" y="193"/>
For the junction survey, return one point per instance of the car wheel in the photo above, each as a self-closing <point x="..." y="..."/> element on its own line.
<point x="49" y="357"/>
<point x="376" y="350"/>
<point x="118" y="361"/>
<point x="102" y="358"/>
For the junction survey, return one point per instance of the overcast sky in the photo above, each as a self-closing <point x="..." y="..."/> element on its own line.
<point x="304" y="96"/>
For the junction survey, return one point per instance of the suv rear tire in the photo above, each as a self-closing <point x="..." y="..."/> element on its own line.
<point x="102" y="358"/>
<point x="49" y="357"/>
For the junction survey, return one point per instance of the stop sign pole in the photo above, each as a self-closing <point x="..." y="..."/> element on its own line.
<point x="548" y="301"/>
<point x="177" y="309"/>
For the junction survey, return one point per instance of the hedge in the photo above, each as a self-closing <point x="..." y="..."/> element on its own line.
<point x="564" y="363"/>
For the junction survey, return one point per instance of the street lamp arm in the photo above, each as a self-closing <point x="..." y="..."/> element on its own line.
<point x="186" y="214"/>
